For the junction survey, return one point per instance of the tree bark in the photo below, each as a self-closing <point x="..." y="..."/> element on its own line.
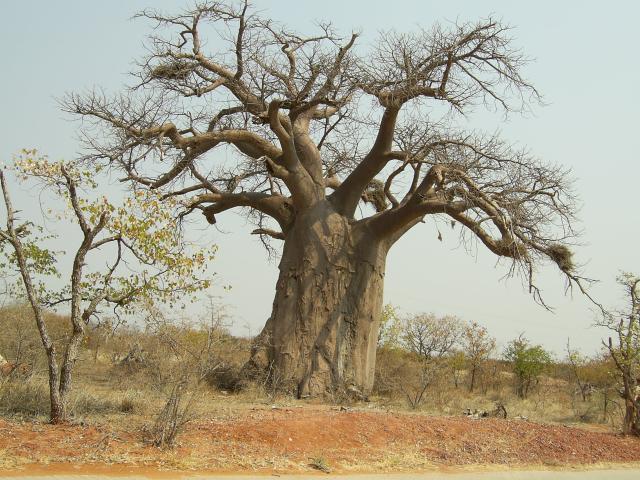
<point x="631" y="421"/>
<point x="472" y="384"/>
<point x="322" y="334"/>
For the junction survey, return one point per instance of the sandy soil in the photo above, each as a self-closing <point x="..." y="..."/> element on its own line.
<point x="266" y="440"/>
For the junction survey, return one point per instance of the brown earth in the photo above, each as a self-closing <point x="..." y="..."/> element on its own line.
<point x="290" y="439"/>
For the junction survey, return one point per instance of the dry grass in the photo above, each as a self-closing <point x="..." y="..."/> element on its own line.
<point x="101" y="392"/>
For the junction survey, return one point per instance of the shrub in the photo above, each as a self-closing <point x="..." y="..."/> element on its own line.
<point x="175" y="414"/>
<point x="527" y="361"/>
<point x="227" y="377"/>
<point x="128" y="405"/>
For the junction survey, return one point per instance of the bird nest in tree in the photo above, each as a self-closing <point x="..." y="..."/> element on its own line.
<point x="562" y="256"/>
<point x="174" y="70"/>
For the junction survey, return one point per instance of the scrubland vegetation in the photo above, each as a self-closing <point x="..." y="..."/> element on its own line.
<point x="424" y="364"/>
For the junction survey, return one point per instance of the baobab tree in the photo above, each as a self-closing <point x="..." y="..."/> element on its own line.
<point x="337" y="152"/>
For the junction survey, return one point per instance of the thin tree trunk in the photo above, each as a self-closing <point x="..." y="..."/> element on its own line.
<point x="70" y="357"/>
<point x="57" y="413"/>
<point x="55" y="400"/>
<point x="77" y="317"/>
<point x="473" y="378"/>
<point x="631" y="422"/>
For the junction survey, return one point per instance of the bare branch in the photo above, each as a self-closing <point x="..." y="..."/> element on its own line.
<point x="275" y="206"/>
<point x="269" y="232"/>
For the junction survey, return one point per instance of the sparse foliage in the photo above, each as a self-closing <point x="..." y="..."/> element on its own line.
<point x="172" y="418"/>
<point x="477" y="345"/>
<point x="430" y="337"/>
<point x="139" y="239"/>
<point x="578" y="365"/>
<point x="457" y="363"/>
<point x="187" y="361"/>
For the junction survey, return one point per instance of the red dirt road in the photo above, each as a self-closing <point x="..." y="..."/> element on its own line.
<point x="289" y="440"/>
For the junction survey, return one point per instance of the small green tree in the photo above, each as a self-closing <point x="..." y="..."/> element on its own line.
<point x="134" y="248"/>
<point x="528" y="362"/>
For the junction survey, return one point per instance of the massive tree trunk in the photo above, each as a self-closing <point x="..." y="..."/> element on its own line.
<point x="323" y="330"/>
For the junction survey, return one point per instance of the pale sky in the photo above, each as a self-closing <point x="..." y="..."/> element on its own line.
<point x="586" y="66"/>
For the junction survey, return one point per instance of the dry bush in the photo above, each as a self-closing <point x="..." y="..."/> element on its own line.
<point x="405" y="377"/>
<point x="85" y="403"/>
<point x="129" y="404"/>
<point x="24" y="398"/>
<point x="182" y="356"/>
<point x="227" y="378"/>
<point x="20" y="342"/>
<point x="228" y="374"/>
<point x="212" y="359"/>
<point x="391" y="363"/>
<point x="31" y="399"/>
<point x="170" y="421"/>
<point x="398" y="384"/>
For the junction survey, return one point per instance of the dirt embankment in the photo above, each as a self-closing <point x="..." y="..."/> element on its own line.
<point x="289" y="440"/>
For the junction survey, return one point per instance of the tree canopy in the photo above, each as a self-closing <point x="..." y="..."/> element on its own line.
<point x="315" y="118"/>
